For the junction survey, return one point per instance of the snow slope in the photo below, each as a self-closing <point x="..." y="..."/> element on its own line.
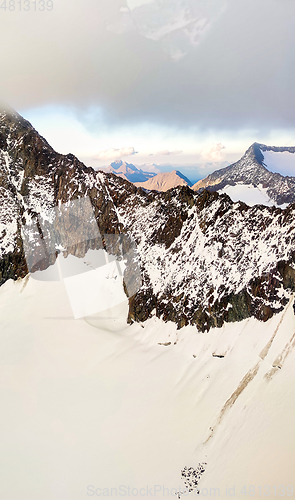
<point x="279" y="161"/>
<point x="252" y="195"/>
<point x="93" y="404"/>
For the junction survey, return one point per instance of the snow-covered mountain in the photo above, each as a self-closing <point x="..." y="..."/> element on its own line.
<point x="165" y="181"/>
<point x="204" y="260"/>
<point x="249" y="179"/>
<point x="129" y="172"/>
<point x="96" y="407"/>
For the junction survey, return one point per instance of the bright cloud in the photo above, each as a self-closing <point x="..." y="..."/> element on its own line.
<point x="167" y="152"/>
<point x="213" y="152"/>
<point x="113" y="154"/>
<point x="150" y="167"/>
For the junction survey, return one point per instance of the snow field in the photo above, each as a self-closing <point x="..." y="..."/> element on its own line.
<point x="95" y="402"/>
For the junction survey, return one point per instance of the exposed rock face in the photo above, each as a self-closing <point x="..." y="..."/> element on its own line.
<point x="34" y="179"/>
<point x="207" y="260"/>
<point x="251" y="169"/>
<point x="204" y="259"/>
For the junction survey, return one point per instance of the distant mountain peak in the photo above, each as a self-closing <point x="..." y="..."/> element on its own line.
<point x="165" y="180"/>
<point x="253" y="170"/>
<point x="128" y="171"/>
<point x="117" y="164"/>
<point x="123" y="166"/>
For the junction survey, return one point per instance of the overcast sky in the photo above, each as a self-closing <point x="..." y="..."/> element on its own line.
<point x="183" y="82"/>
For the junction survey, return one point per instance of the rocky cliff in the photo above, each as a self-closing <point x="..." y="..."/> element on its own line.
<point x="204" y="260"/>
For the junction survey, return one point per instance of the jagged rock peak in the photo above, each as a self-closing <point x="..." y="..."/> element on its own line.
<point x="251" y="171"/>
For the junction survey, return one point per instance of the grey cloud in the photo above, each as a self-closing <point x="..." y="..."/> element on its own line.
<point x="178" y="25"/>
<point x="238" y="75"/>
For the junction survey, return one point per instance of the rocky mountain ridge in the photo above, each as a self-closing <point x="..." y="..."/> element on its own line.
<point x="204" y="260"/>
<point x="251" y="170"/>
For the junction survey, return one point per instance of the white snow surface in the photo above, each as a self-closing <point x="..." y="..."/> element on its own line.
<point x="279" y="161"/>
<point x="94" y="404"/>
<point x="98" y="288"/>
<point x="250" y="194"/>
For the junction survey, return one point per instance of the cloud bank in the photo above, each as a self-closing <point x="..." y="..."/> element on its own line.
<point x="214" y="64"/>
<point x="213" y="153"/>
<point x="114" y="154"/>
<point x="166" y="152"/>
